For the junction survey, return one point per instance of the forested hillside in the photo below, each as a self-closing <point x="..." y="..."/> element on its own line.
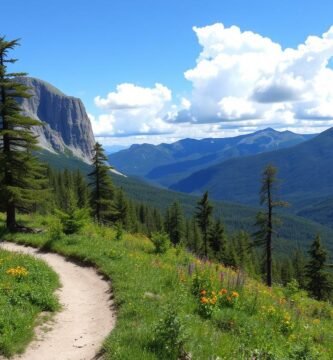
<point x="166" y="164"/>
<point x="305" y="171"/>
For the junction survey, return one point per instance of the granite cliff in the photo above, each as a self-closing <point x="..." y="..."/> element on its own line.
<point x="66" y="125"/>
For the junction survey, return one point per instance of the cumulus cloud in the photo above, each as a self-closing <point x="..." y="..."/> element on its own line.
<point x="130" y="96"/>
<point x="241" y="76"/>
<point x="132" y="110"/>
<point x="242" y="82"/>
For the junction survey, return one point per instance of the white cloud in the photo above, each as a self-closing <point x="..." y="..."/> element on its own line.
<point x="240" y="77"/>
<point x="133" y="110"/>
<point x="234" y="108"/>
<point x="242" y="82"/>
<point x="185" y="103"/>
<point x="130" y="96"/>
<point x="103" y="125"/>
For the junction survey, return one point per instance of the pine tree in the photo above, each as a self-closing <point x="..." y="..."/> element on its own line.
<point x="120" y="208"/>
<point x="298" y="261"/>
<point x="197" y="241"/>
<point x="22" y="176"/>
<point x="217" y="240"/>
<point x="320" y="283"/>
<point x="72" y="218"/>
<point x="287" y="271"/>
<point x="203" y="216"/>
<point x="102" y="190"/>
<point x="175" y="223"/>
<point x="158" y="220"/>
<point x="266" y="219"/>
<point x="243" y="252"/>
<point x="81" y="188"/>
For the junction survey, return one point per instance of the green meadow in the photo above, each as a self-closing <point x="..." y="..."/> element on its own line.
<point x="27" y="289"/>
<point x="174" y="305"/>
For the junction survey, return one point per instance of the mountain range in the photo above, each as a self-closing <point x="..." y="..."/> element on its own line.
<point x="230" y="168"/>
<point x="306" y="171"/>
<point x="235" y="216"/>
<point x="167" y="164"/>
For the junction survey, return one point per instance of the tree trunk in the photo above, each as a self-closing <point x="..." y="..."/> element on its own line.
<point x="11" y="216"/>
<point x="10" y="206"/>
<point x="205" y="240"/>
<point x="269" y="239"/>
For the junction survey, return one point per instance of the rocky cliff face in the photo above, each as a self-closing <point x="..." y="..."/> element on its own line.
<point x="66" y="126"/>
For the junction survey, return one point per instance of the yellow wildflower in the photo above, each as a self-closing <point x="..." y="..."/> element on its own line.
<point x="18" y="271"/>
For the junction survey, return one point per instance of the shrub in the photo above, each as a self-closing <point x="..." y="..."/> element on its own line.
<point x="55" y="230"/>
<point x="119" y="231"/>
<point x="303" y="352"/>
<point x="161" y="242"/>
<point x="201" y="281"/>
<point x="169" y="337"/>
<point x="73" y="220"/>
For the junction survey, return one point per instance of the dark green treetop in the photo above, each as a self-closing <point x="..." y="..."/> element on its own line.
<point x="319" y="280"/>
<point x="203" y="216"/>
<point x="22" y="177"/>
<point x="102" y="190"/>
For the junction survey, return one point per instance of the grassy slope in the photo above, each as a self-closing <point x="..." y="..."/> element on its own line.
<point x="277" y="324"/>
<point x="235" y="216"/>
<point x="23" y="295"/>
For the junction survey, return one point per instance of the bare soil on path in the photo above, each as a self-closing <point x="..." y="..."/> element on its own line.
<point x="86" y="318"/>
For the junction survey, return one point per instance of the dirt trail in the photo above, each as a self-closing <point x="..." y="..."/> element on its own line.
<point x="78" y="331"/>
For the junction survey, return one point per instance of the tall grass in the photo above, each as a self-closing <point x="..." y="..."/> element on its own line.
<point x="27" y="288"/>
<point x="246" y="320"/>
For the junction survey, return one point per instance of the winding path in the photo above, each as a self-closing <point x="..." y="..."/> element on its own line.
<point x="78" y="331"/>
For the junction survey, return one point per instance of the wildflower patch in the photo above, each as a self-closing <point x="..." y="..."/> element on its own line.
<point x="27" y="288"/>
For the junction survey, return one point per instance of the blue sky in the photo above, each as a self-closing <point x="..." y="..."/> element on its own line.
<point x="90" y="49"/>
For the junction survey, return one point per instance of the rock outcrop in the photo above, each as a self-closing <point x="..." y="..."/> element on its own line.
<point x="66" y="125"/>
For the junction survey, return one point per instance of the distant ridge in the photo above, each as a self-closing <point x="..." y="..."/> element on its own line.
<point x="306" y="171"/>
<point x="166" y="164"/>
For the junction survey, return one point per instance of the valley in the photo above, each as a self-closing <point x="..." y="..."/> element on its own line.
<point x="163" y="224"/>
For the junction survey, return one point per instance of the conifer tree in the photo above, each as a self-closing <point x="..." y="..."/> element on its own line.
<point x="22" y="177"/>
<point x="266" y="219"/>
<point x="298" y="261"/>
<point x="319" y="280"/>
<point x="81" y="187"/>
<point x="120" y="208"/>
<point x="158" y="220"/>
<point x="175" y="223"/>
<point x="217" y="240"/>
<point x="193" y="236"/>
<point x="243" y="252"/>
<point x="142" y="214"/>
<point x="203" y="216"/>
<point x="102" y="191"/>
<point x="72" y="218"/>
<point x="287" y="271"/>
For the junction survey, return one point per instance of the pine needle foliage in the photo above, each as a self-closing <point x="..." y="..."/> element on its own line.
<point x="266" y="219"/>
<point x="319" y="280"/>
<point x="22" y="177"/>
<point x="102" y="190"/>
<point x="203" y="216"/>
